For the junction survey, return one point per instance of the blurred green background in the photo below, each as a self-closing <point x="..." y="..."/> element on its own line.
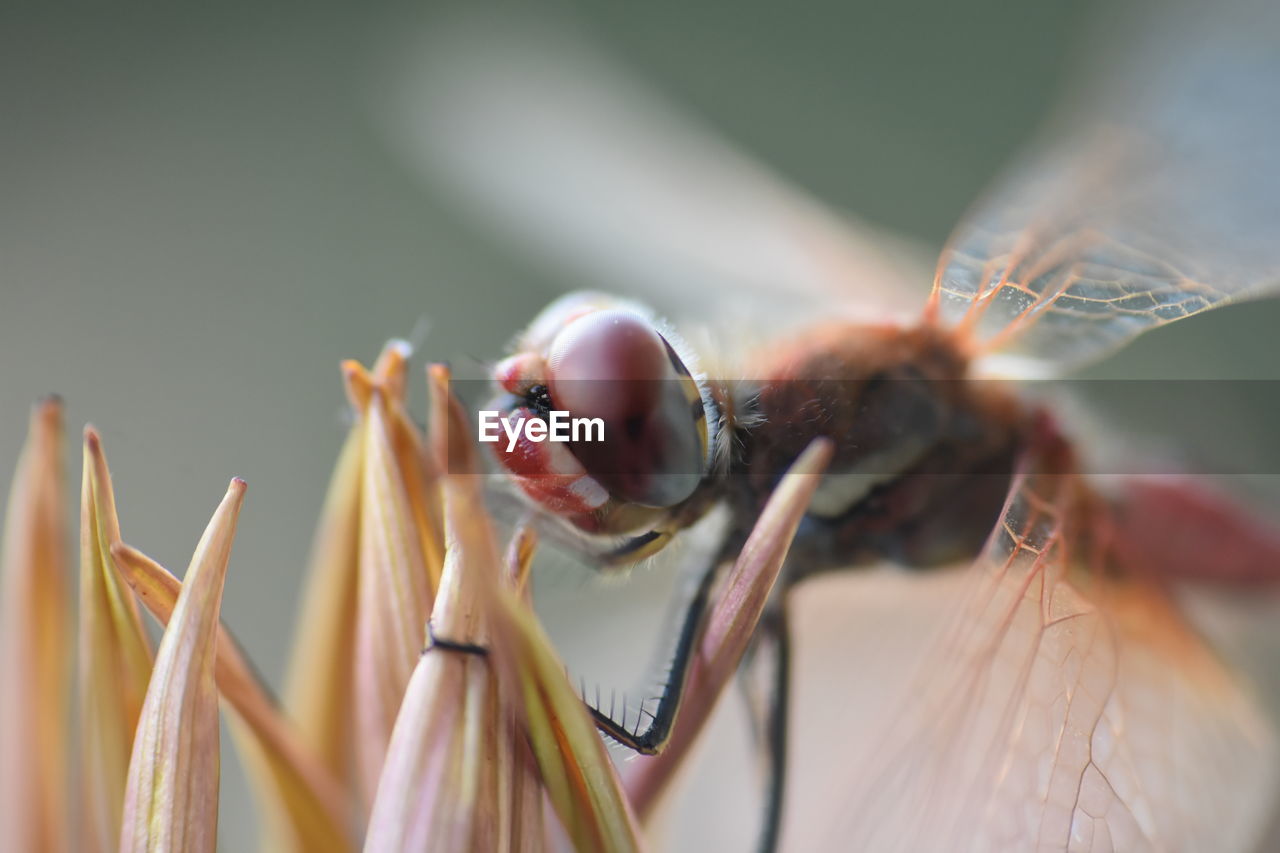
<point x="200" y="216"/>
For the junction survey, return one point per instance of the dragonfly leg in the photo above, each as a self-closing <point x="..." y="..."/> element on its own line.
<point x="768" y="698"/>
<point x="651" y="739"/>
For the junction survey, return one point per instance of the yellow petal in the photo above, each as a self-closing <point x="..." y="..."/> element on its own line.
<point x="35" y="645"/>
<point x="513" y="791"/>
<point x="570" y="755"/>
<point x="468" y="532"/>
<point x="416" y="466"/>
<point x="421" y="476"/>
<point x="732" y="620"/>
<point x="439" y="785"/>
<point x="303" y="799"/>
<point x="520" y="790"/>
<point x="171" y="802"/>
<point x="404" y="552"/>
<point x="395" y="584"/>
<point x="318" y="693"/>
<point x="520" y="560"/>
<point x="115" y="659"/>
<point x="450" y="761"/>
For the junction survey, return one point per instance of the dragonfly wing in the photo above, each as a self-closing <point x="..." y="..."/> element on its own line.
<point x="1054" y="709"/>
<point x="1155" y="195"/>
<point x="560" y="150"/>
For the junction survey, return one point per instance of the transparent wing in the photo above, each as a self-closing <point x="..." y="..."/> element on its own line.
<point x="1155" y="194"/>
<point x="557" y="148"/>
<point x="1056" y="709"/>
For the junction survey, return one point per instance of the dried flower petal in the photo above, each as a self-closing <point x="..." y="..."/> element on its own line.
<point x="115" y="659"/>
<point x="571" y="757"/>
<point x="305" y="803"/>
<point x="360" y="630"/>
<point x="395" y="586"/>
<point x="732" y="621"/>
<point x="519" y="559"/>
<point x="421" y="475"/>
<point x="415" y="464"/>
<point x="439" y="788"/>
<point x="459" y="773"/>
<point x="521" y="788"/>
<point x="171" y="802"/>
<point x="35" y="647"/>
<point x="520" y="798"/>
<point x="318" y="693"/>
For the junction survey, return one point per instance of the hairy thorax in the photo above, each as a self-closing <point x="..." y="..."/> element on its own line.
<point x="923" y="452"/>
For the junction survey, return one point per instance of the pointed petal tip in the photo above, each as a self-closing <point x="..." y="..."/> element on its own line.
<point x="49" y="407"/>
<point x="358" y="384"/>
<point x="438" y="373"/>
<point x="44" y="428"/>
<point x="35" y="639"/>
<point x="395" y="572"/>
<point x="299" y="793"/>
<point x="171" y="794"/>
<point x="115" y="657"/>
<point x="448" y="425"/>
<point x="390" y="369"/>
<point x="401" y="347"/>
<point x="816" y="456"/>
<point x="395" y="353"/>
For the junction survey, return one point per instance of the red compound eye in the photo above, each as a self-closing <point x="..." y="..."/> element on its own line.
<point x="612" y="365"/>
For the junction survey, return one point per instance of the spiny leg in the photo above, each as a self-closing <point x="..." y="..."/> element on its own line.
<point x="769" y="715"/>
<point x="760" y="558"/>
<point x="654" y="737"/>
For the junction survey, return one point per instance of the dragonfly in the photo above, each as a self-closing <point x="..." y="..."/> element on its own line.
<point x="1064" y="700"/>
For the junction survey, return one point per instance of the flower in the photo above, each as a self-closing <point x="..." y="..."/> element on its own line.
<point x="425" y="706"/>
<point x="35" y="645"/>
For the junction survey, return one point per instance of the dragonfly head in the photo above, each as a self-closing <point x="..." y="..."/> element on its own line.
<point x="627" y="430"/>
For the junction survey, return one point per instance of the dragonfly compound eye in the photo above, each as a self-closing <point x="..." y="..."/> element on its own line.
<point x="614" y="366"/>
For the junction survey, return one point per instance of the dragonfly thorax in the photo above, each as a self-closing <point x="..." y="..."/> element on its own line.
<point x="923" y="452"/>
